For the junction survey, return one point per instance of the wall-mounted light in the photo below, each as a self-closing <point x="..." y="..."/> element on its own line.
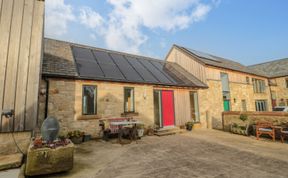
<point x="144" y="94"/>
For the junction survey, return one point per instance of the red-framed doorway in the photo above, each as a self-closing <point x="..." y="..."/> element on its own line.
<point x="164" y="110"/>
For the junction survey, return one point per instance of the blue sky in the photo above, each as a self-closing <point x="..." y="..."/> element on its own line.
<point x="247" y="31"/>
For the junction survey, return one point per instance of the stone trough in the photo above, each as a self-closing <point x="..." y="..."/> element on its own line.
<point x="42" y="161"/>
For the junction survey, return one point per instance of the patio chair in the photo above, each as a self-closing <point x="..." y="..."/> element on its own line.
<point x="266" y="128"/>
<point x="283" y="134"/>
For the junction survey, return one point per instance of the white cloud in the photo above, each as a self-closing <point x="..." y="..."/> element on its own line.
<point x="122" y="28"/>
<point x="200" y="12"/>
<point x="57" y="16"/>
<point x="129" y="16"/>
<point x="90" y="18"/>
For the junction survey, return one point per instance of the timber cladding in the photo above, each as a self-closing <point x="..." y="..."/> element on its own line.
<point x="21" y="36"/>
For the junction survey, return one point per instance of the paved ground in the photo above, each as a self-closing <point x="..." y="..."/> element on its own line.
<point x="200" y="153"/>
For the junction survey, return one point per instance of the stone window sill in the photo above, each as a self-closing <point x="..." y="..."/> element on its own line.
<point x="88" y="117"/>
<point x="129" y="114"/>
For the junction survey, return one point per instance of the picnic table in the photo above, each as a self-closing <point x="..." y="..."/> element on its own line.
<point x="125" y="126"/>
<point x="121" y="127"/>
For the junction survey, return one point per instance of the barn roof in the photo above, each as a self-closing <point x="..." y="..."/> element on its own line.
<point x="216" y="61"/>
<point x="273" y="69"/>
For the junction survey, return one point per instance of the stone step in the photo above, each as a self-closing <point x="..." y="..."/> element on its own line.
<point x="170" y="131"/>
<point x="10" y="161"/>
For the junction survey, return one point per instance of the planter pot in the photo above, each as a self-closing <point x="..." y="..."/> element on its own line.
<point x="140" y="132"/>
<point x="189" y="127"/>
<point x="47" y="161"/>
<point x="86" y="138"/>
<point x="76" y="140"/>
<point x="182" y="126"/>
<point x="243" y="130"/>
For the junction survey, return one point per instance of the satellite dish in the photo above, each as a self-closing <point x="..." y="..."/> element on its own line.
<point x="50" y="129"/>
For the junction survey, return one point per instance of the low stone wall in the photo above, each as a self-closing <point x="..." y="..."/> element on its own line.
<point x="277" y="118"/>
<point x="8" y="146"/>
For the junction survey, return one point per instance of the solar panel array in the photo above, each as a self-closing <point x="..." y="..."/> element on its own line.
<point x="113" y="66"/>
<point x="204" y="55"/>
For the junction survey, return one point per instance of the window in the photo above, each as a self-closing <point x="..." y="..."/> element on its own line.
<point x="261" y="105"/>
<point x="258" y="85"/>
<point x="247" y="80"/>
<point x="129" y="100"/>
<point x="194" y="107"/>
<point x="244" y="105"/>
<point x="286" y="81"/>
<point x="89" y="100"/>
<point x="225" y="82"/>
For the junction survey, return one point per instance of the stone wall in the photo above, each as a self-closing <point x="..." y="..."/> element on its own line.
<point x="281" y="91"/>
<point x="211" y="105"/>
<point x="277" y="118"/>
<point x="8" y="146"/>
<point x="211" y="101"/>
<point x="65" y="103"/>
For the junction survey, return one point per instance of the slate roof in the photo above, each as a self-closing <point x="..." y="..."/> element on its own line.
<point x="64" y="59"/>
<point x="277" y="68"/>
<point x="216" y="61"/>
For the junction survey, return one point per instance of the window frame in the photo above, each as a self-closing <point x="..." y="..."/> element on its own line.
<point x="124" y="104"/>
<point x="95" y="100"/>
<point x="259" y="104"/>
<point x="259" y="85"/>
<point x="196" y="105"/>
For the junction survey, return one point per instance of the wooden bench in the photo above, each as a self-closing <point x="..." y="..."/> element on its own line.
<point x="266" y="128"/>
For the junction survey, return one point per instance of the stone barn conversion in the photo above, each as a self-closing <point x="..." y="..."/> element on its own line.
<point x="232" y="86"/>
<point x="82" y="84"/>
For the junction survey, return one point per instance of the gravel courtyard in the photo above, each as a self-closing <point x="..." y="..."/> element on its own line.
<point x="201" y="153"/>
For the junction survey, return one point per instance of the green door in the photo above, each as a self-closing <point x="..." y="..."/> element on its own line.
<point x="226" y="105"/>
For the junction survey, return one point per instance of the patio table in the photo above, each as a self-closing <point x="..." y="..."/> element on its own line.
<point x="133" y="131"/>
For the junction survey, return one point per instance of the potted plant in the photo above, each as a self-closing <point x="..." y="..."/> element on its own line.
<point x="76" y="136"/>
<point x="150" y="130"/>
<point x="140" y="130"/>
<point x="243" y="117"/>
<point x="189" y="125"/>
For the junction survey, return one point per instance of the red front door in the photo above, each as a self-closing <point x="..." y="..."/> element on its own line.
<point x="168" y="115"/>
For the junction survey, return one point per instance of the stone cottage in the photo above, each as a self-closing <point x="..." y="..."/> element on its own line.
<point x="82" y="84"/>
<point x="277" y="72"/>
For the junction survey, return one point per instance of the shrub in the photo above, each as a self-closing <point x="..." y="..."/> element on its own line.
<point x="243" y="117"/>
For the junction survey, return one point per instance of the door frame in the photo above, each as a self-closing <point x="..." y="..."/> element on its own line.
<point x="173" y="103"/>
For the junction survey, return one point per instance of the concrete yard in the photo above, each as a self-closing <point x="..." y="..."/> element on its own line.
<point x="200" y="153"/>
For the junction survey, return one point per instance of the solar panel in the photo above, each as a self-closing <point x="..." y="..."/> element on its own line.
<point x="83" y="53"/>
<point x="204" y="55"/>
<point x="154" y="71"/>
<point x="145" y="74"/>
<point x="113" y="66"/>
<point x="111" y="71"/>
<point x="128" y="71"/>
<point x="103" y="57"/>
<point x="161" y="66"/>
<point x="88" y="69"/>
<point x="86" y="64"/>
